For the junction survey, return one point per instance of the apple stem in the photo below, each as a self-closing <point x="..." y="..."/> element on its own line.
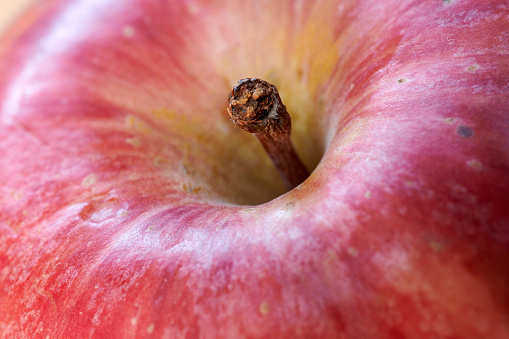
<point x="256" y="107"/>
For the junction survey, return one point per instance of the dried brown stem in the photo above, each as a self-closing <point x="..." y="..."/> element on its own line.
<point x="256" y="107"/>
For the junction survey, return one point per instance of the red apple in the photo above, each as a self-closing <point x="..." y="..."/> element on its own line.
<point x="130" y="206"/>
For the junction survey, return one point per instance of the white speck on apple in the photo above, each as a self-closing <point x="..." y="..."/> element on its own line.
<point x="353" y="251"/>
<point x="128" y="31"/>
<point x="135" y="142"/>
<point x="193" y="8"/>
<point x="472" y="68"/>
<point x="89" y="180"/>
<point x="394" y="258"/>
<point x="475" y="164"/>
<point x="16" y="195"/>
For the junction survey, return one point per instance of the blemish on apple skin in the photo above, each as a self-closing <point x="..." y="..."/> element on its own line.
<point x="289" y="205"/>
<point x="134" y="321"/>
<point x="89" y="180"/>
<point x="436" y="246"/>
<point x="264" y="308"/>
<point x="352" y="251"/>
<point x="449" y="120"/>
<point x="135" y="142"/>
<point x="401" y="81"/>
<point x="368" y="195"/>
<point x="475" y="164"/>
<point x="193" y="8"/>
<point x="416" y="51"/>
<point x="190" y="189"/>
<point x="15" y="227"/>
<point x="137" y="124"/>
<point x="157" y="161"/>
<point x="48" y="295"/>
<point x="150" y="328"/>
<point x="464" y="131"/>
<point x="410" y="184"/>
<point x="184" y="165"/>
<point x="16" y="195"/>
<point x="128" y="31"/>
<point x="332" y="257"/>
<point x="472" y="68"/>
<point x="86" y="211"/>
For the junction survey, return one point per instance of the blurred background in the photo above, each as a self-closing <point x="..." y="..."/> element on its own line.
<point x="9" y="10"/>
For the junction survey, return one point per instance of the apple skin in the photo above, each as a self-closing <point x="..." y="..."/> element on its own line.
<point x="131" y="207"/>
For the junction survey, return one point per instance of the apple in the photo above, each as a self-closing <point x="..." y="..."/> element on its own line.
<point x="131" y="206"/>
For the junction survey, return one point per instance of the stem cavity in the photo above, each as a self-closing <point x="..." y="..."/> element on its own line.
<point x="256" y="107"/>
